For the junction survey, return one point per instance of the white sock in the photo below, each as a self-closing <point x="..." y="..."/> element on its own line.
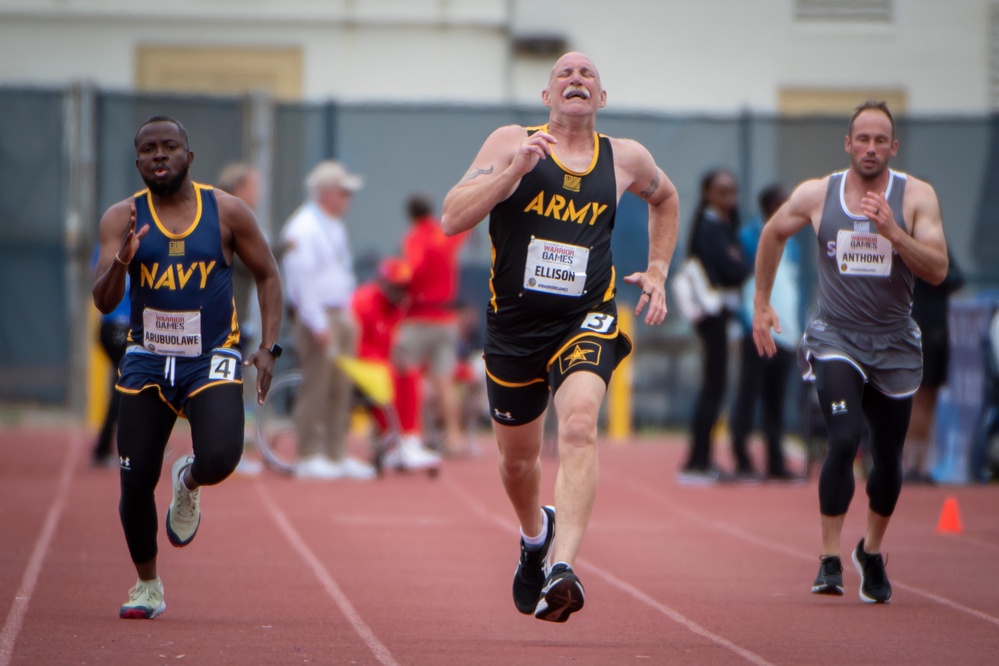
<point x="535" y="542"/>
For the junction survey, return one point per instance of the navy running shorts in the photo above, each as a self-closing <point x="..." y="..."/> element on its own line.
<point x="176" y="378"/>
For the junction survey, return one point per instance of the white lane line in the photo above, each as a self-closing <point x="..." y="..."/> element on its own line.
<point x="377" y="648"/>
<point x="972" y="541"/>
<point x="770" y="545"/>
<point x="19" y="607"/>
<point x="753" y="658"/>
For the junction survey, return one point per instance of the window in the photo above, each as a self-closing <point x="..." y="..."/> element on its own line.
<point x="874" y="11"/>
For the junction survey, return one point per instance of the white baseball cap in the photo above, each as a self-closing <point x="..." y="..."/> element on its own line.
<point x="328" y="174"/>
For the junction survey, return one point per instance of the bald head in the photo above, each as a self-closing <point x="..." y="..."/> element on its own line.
<point x="572" y="60"/>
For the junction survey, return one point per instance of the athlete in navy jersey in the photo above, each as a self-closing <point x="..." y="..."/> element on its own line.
<point x="176" y="240"/>
<point x="551" y="194"/>
<point x="176" y="272"/>
<point x="876" y="228"/>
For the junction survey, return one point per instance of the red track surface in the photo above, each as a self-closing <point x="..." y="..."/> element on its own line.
<point x="408" y="570"/>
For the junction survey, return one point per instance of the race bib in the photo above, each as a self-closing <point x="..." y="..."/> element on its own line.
<point x="171" y="333"/>
<point x="863" y="254"/>
<point x="555" y="268"/>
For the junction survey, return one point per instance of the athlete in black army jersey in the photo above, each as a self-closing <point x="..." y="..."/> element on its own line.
<point x="176" y="240"/>
<point x="551" y="194"/>
<point x="877" y="228"/>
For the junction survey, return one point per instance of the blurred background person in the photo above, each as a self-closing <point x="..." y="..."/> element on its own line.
<point x="113" y="337"/>
<point x="378" y="306"/>
<point x="930" y="307"/>
<point x="763" y="380"/>
<point x="470" y="373"/>
<point x="319" y="274"/>
<point x="428" y="338"/>
<point x="242" y="180"/>
<point x="714" y="239"/>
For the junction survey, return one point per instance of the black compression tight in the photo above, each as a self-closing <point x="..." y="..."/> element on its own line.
<point x="846" y="403"/>
<point x="145" y="424"/>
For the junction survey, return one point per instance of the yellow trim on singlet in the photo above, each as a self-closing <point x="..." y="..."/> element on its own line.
<point x="233" y="339"/>
<point x="593" y="162"/>
<point x="609" y="294"/>
<point x="492" y="275"/>
<point x="198" y="187"/>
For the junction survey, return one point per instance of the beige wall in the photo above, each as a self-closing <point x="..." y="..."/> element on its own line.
<point x="659" y="55"/>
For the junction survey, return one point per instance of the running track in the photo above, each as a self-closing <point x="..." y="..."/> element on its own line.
<point x="409" y="570"/>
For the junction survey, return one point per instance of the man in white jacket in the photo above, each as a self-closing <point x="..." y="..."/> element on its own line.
<point x="319" y="273"/>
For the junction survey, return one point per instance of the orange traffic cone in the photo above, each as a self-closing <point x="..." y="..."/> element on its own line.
<point x="950" y="518"/>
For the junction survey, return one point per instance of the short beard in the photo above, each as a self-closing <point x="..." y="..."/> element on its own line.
<point x="166" y="188"/>
<point x="880" y="169"/>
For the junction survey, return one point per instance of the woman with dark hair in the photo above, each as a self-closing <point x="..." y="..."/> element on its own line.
<point x="714" y="240"/>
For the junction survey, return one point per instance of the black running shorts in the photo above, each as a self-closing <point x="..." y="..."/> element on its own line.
<point x="518" y="386"/>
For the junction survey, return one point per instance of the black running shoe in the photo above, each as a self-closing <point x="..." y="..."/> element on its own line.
<point x="530" y="575"/>
<point x="830" y="578"/>
<point x="874" y="585"/>
<point x="561" y="595"/>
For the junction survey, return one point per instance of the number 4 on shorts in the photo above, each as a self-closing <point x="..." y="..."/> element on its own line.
<point x="223" y="367"/>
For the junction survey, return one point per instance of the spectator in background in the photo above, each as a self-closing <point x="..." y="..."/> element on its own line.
<point x="378" y="307"/>
<point x="930" y="305"/>
<point x="428" y="338"/>
<point x="714" y="239"/>
<point x="764" y="377"/>
<point x="319" y="273"/>
<point x="470" y="373"/>
<point x="113" y="336"/>
<point x="242" y="180"/>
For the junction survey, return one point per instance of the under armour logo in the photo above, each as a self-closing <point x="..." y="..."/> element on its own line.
<point x="839" y="407"/>
<point x="125" y="462"/>
<point x="503" y="416"/>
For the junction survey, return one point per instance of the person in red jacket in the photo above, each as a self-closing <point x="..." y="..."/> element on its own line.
<point x="378" y="308"/>
<point x="428" y="337"/>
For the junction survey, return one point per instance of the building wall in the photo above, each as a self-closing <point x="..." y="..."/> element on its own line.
<point x="658" y="55"/>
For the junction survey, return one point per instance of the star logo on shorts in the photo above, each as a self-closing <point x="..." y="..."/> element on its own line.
<point x="582" y="352"/>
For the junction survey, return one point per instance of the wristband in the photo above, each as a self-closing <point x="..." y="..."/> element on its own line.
<point x="119" y="260"/>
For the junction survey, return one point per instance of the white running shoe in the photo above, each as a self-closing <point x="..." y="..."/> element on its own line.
<point x="145" y="601"/>
<point x="352" y="468"/>
<point x="249" y="467"/>
<point x="413" y="455"/>
<point x="184" y="514"/>
<point x="318" y="467"/>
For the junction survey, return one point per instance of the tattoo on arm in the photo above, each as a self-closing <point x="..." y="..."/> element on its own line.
<point x="472" y="173"/>
<point x="653" y="186"/>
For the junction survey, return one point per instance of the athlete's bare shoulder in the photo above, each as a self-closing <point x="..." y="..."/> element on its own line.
<point x="117" y="215"/>
<point x="638" y="172"/>
<point x="507" y="135"/>
<point x="813" y="188"/>
<point x="628" y="152"/>
<point x="234" y="214"/>
<point x="919" y="189"/>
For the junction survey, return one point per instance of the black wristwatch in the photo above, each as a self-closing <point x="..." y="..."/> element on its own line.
<point x="275" y="349"/>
